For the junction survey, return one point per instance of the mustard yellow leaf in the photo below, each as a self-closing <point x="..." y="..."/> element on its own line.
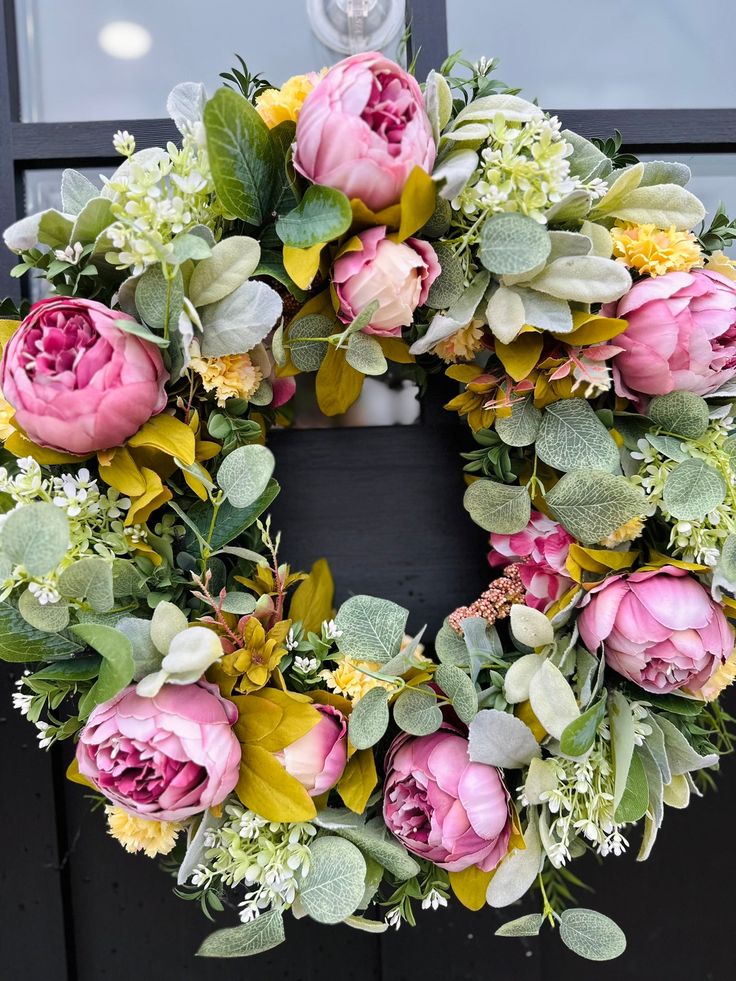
<point x="303" y="264"/>
<point x="417" y="202"/>
<point x="119" y="470"/>
<point x="313" y="598"/>
<point x="20" y="445"/>
<point x="470" y="886"/>
<point x="73" y="774"/>
<point x="257" y="718"/>
<point x="265" y="787"/>
<point x="520" y="357"/>
<point x="589" y="328"/>
<point x="338" y="383"/>
<point x="7" y="329"/>
<point x="167" y="434"/>
<point x="154" y="496"/>
<point x="396" y="350"/>
<point x="358" y="780"/>
<point x="298" y="716"/>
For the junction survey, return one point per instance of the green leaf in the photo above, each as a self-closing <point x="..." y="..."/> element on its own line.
<point x="583" y="279"/>
<point x="140" y="330"/>
<point x="323" y="214"/>
<point x="525" y="926"/>
<point x="116" y="670"/>
<point x="54" y="229"/>
<point x="186" y="247"/>
<point x="244" y="474"/>
<point x="20" y="642"/>
<point x="416" y="711"/>
<point x="242" y="156"/>
<point x="693" y="489"/>
<point x="50" y="617"/>
<point x="233" y="261"/>
<point x="572" y="437"/>
<point x="592" y="504"/>
<point x="372" y="628"/>
<point x="333" y="887"/>
<point x="261" y="934"/>
<point x="512" y="243"/>
<point x="373" y="840"/>
<point x="369" y="719"/>
<point x="586" y="161"/>
<point x="167" y="621"/>
<point x="76" y="191"/>
<point x="622" y="739"/>
<point x="239" y="603"/>
<point x="158" y="301"/>
<point x="230" y="522"/>
<point x="518" y="871"/>
<point x="500" y="739"/>
<point x="450" y="284"/>
<point x="91" y="221"/>
<point x="591" y="935"/>
<point x="90" y="580"/>
<point x="147" y="658"/>
<point x="365" y="354"/>
<point x="74" y="669"/>
<point x="498" y="507"/>
<point x="682" y="413"/>
<point x="241" y="320"/>
<point x="578" y="735"/>
<point x="307" y="353"/>
<point x="662" y="205"/>
<point x="669" y="446"/>
<point x="36" y="537"/>
<point x="635" y="800"/>
<point x="522" y="426"/>
<point x="459" y="689"/>
<point x="451" y="648"/>
<point x="552" y="699"/>
<point x="681" y="756"/>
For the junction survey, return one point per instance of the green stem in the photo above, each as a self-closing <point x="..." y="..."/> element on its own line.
<point x="547" y="910"/>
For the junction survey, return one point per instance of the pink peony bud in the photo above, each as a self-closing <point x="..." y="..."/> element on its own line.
<point x="318" y="759"/>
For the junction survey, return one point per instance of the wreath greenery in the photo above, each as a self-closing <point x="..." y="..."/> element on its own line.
<point x="282" y="755"/>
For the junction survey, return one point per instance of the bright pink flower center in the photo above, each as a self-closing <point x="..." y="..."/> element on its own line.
<point x="390" y="108"/>
<point x="56" y="346"/>
<point x="413" y="815"/>
<point x="137" y="771"/>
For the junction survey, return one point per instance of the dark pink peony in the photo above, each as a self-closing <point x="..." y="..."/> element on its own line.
<point x="76" y="381"/>
<point x="441" y="806"/>
<point x="166" y="757"/>
<point x="541" y="548"/>
<point x="363" y="128"/>
<point x="660" y="629"/>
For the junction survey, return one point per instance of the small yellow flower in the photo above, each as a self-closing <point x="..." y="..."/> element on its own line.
<point x="349" y="678"/>
<point x="6" y="414"/>
<point x="279" y="105"/>
<point x="231" y="376"/>
<point x="720" y="263"/>
<point x="627" y="532"/>
<point x="137" y="834"/>
<point x="655" y="251"/>
<point x="463" y="345"/>
<point x="249" y="668"/>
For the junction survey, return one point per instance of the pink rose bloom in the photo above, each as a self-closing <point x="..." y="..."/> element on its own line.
<point x="681" y="335"/>
<point x="76" y="381"/>
<point x="660" y="629"/>
<point x="397" y="274"/>
<point x="363" y="129"/>
<point x="318" y="759"/>
<point x="441" y="806"/>
<point x="542" y="549"/>
<point x="166" y="757"/>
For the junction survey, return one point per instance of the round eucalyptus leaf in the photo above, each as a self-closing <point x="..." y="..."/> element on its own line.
<point x="498" y="507"/>
<point x="692" y="489"/>
<point x="682" y="413"/>
<point x="306" y="353"/>
<point x="36" y="537"/>
<point x="50" y="617"/>
<point x="511" y="244"/>
<point x="245" y="473"/>
<point x="591" y="935"/>
<point x="333" y="887"/>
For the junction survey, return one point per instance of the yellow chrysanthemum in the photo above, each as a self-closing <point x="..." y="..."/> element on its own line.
<point x="463" y="345"/>
<point x="6" y="414"/>
<point x="279" y="105"/>
<point x="350" y="679"/>
<point x="232" y="376"/>
<point x="720" y="263"/>
<point x="721" y="678"/>
<point x="655" y="251"/>
<point x="137" y="834"/>
<point x="627" y="532"/>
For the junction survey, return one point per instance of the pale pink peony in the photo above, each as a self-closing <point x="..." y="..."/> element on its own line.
<point x="363" y="129"/>
<point x="441" y="806"/>
<point x="397" y="274"/>
<point x="166" y="757"/>
<point x="76" y="381"/>
<point x="318" y="759"/>
<point x="681" y="335"/>
<point x="541" y="548"/>
<point x="660" y="629"/>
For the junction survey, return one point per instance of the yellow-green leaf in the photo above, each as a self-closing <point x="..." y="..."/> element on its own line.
<point x="358" y="781"/>
<point x="520" y="357"/>
<point x="470" y="886"/>
<point x="338" y="383"/>
<point x="303" y="264"/>
<point x="266" y="788"/>
<point x="167" y="434"/>
<point x="313" y="598"/>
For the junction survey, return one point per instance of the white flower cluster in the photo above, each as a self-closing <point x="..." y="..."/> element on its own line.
<point x="267" y="858"/>
<point x="156" y="197"/>
<point x="523" y="167"/>
<point x="581" y="803"/>
<point x="96" y="520"/>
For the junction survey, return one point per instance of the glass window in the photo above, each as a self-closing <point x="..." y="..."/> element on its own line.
<point x="582" y="55"/>
<point x="120" y="59"/>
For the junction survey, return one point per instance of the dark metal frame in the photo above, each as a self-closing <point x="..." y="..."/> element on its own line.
<point x="28" y="146"/>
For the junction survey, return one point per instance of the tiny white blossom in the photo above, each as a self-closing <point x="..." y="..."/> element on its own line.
<point x="124" y="143"/>
<point x="433" y="900"/>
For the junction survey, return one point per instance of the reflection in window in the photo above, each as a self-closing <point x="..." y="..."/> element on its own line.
<point x="128" y="54"/>
<point x="582" y="55"/>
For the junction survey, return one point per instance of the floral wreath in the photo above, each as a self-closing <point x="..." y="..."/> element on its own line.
<point x="282" y="755"/>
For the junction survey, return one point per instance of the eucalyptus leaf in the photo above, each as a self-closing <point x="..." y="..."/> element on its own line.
<point x="692" y="489"/>
<point x="261" y="934"/>
<point x="416" y="711"/>
<point x="365" y="354"/>
<point x="459" y="689"/>
<point x="116" y="669"/>
<point x="89" y="579"/>
<point x="572" y="437"/>
<point x="592" y="504"/>
<point x="50" y="617"/>
<point x="322" y="215"/>
<point x="522" y="426"/>
<point x="512" y="243"/>
<point x="333" y="887"/>
<point x="528" y="925"/>
<point x="371" y="628"/>
<point x="306" y="351"/>
<point x="244" y="474"/>
<point x="369" y="719"/>
<point x="36" y="537"/>
<point x="498" y="507"/>
<point x="591" y="935"/>
<point x="682" y="413"/>
<point x="449" y="285"/>
<point x="373" y="840"/>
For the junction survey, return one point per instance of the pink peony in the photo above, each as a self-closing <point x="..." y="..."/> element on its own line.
<point x="397" y="274"/>
<point x="76" y="381"/>
<point x="441" y="806"/>
<point x="318" y="759"/>
<point x="363" y="129"/>
<point x="542" y="549"/>
<point x="166" y="757"/>
<point x="660" y="629"/>
<point x="681" y="335"/>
